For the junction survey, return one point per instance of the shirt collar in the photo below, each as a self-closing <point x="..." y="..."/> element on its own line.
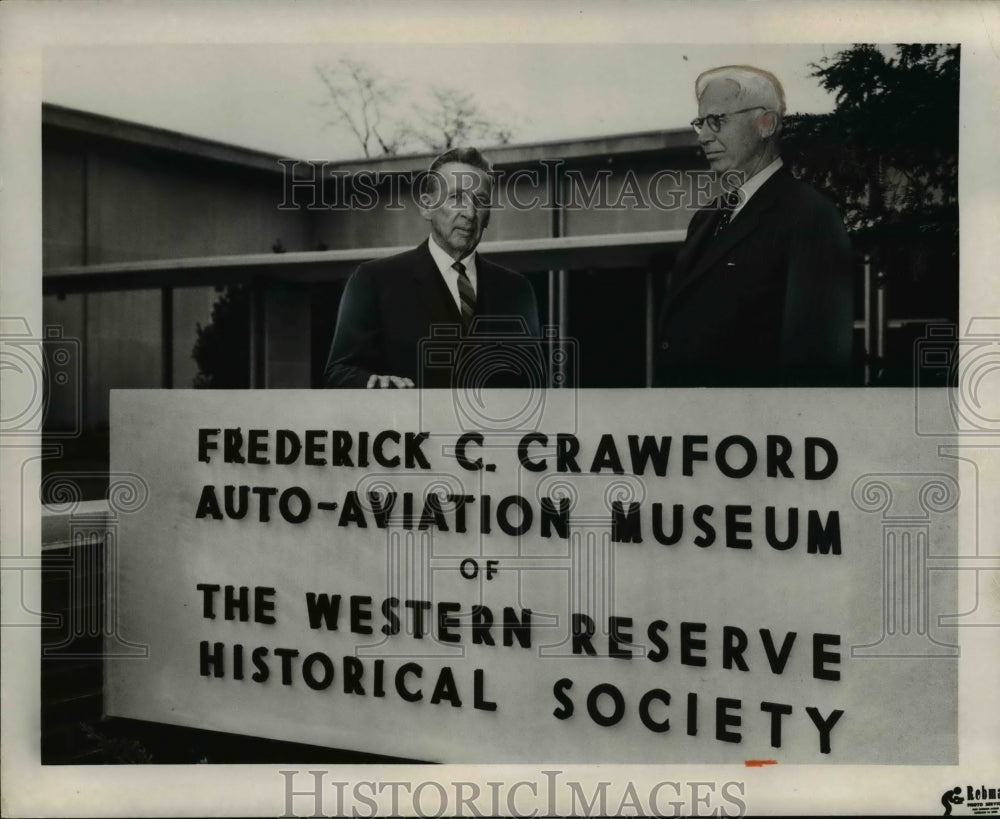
<point x="445" y="262"/>
<point x="756" y="182"/>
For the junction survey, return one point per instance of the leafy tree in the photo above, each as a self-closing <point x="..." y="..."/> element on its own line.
<point x="222" y="347"/>
<point x="888" y="156"/>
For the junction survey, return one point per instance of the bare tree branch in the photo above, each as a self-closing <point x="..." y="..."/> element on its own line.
<point x="364" y="102"/>
<point x="454" y="118"/>
<point x="360" y="98"/>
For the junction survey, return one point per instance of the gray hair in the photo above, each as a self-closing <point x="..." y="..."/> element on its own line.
<point x="463" y="155"/>
<point x="754" y="84"/>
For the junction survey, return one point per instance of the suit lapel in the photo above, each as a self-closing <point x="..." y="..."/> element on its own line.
<point x="417" y="306"/>
<point x="699" y="235"/>
<point x="423" y="269"/>
<point x="484" y="289"/>
<point x="707" y="249"/>
<point x="431" y="291"/>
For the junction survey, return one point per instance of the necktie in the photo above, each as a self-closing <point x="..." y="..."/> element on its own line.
<point x="466" y="294"/>
<point x="728" y="202"/>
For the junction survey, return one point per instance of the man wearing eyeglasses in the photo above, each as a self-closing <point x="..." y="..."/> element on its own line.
<point x="390" y="306"/>
<point x="761" y="291"/>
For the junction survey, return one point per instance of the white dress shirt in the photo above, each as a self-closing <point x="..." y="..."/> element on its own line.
<point x="754" y="184"/>
<point x="444" y="263"/>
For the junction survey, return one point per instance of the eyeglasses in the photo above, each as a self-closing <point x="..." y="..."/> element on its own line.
<point x="461" y="199"/>
<point x="714" y="121"/>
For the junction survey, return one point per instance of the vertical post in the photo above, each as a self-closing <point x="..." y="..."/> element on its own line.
<point x="563" y="322"/>
<point x="252" y="341"/>
<point x="650" y="341"/>
<point x="85" y="410"/>
<point x="868" y="321"/>
<point x="880" y="319"/>
<point x="553" y="295"/>
<point x="558" y="306"/>
<point x="286" y="337"/>
<point x="167" y="337"/>
<point x="258" y="336"/>
<point x="551" y="319"/>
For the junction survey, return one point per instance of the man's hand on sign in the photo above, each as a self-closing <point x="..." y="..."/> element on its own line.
<point x="388" y="382"/>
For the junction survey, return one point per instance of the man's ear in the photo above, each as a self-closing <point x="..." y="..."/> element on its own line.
<point x="486" y="219"/>
<point x="767" y="124"/>
<point x="423" y="204"/>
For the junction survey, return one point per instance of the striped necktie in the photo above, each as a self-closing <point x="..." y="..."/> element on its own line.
<point x="728" y="202"/>
<point x="466" y="294"/>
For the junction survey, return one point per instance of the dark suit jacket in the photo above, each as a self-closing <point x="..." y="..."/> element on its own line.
<point x="766" y="302"/>
<point x="390" y="306"/>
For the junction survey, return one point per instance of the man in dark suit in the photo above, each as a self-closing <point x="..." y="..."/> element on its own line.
<point x="761" y="291"/>
<point x="390" y="305"/>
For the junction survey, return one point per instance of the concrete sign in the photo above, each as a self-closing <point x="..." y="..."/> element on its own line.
<point x="591" y="576"/>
